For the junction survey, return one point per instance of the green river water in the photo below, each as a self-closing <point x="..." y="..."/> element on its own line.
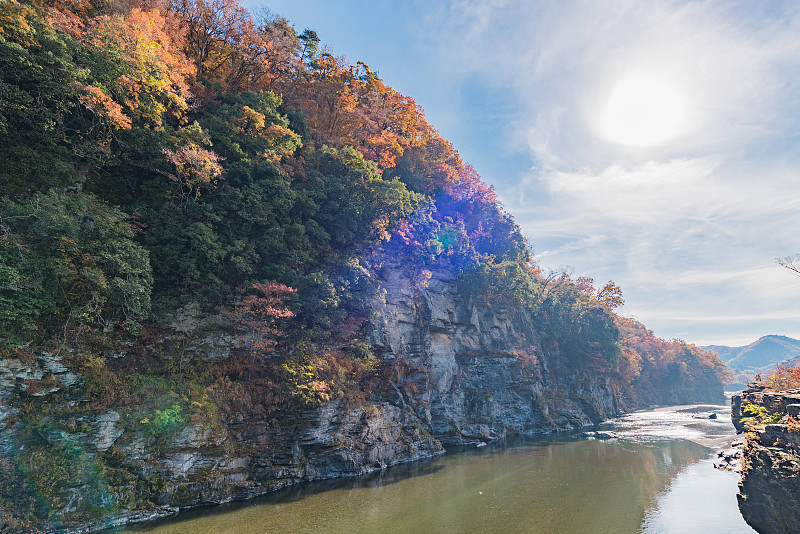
<point x="658" y="477"/>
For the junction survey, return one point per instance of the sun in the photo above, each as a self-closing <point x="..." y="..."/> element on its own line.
<point x="642" y="112"/>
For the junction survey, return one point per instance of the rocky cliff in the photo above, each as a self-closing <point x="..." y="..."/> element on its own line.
<point x="474" y="372"/>
<point x="454" y="372"/>
<point x="769" y="489"/>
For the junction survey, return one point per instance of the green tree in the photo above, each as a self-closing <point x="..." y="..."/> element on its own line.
<point x="80" y="253"/>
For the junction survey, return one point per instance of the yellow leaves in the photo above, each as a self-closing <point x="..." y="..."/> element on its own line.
<point x="194" y="166"/>
<point x="276" y="130"/>
<point x="156" y="81"/>
<point x="251" y="122"/>
<point x="15" y="22"/>
<point x="282" y="141"/>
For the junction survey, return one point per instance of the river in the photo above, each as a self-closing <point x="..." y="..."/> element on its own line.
<point x="657" y="477"/>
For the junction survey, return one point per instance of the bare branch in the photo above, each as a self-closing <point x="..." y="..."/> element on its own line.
<point x="790" y="262"/>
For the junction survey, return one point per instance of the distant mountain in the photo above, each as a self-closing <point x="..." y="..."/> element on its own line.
<point x="725" y="353"/>
<point x="760" y="355"/>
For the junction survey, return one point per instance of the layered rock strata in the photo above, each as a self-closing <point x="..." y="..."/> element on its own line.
<point x="463" y="372"/>
<point x="769" y="489"/>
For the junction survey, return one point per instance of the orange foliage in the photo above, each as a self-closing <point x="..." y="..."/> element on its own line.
<point x="158" y="74"/>
<point x="609" y="296"/>
<point x="228" y="47"/>
<point x="348" y="105"/>
<point x="102" y="105"/>
<point x="146" y="42"/>
<point x="785" y="378"/>
<point x="69" y="16"/>
<point x="256" y="316"/>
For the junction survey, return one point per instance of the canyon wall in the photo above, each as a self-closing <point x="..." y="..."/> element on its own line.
<point x="456" y="373"/>
<point x="769" y="489"/>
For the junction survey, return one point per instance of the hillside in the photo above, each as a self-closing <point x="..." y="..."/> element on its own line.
<point x="758" y="358"/>
<point x="760" y="355"/>
<point x="232" y="261"/>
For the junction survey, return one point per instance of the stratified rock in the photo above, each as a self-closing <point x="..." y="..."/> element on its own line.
<point x="456" y="372"/>
<point x="480" y="372"/>
<point x="106" y="430"/>
<point x="769" y="489"/>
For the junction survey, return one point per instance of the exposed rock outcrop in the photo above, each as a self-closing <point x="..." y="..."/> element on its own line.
<point x="769" y="489"/>
<point x="461" y="373"/>
<point x="477" y="372"/>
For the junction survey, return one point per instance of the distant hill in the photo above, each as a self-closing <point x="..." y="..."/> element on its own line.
<point x="759" y="355"/>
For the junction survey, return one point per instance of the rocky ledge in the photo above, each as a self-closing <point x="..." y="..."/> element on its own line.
<point x="769" y="489"/>
<point x="462" y="373"/>
<point x="454" y="371"/>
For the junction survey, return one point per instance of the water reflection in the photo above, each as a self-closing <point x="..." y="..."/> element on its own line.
<point x="700" y="496"/>
<point x="578" y="486"/>
<point x="560" y="485"/>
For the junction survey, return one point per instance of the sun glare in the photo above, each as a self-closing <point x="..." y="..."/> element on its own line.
<point x="642" y="112"/>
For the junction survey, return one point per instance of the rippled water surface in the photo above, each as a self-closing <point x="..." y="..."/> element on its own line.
<point x="657" y="478"/>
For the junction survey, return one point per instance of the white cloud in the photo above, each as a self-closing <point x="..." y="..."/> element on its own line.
<point x="563" y="59"/>
<point x="690" y="228"/>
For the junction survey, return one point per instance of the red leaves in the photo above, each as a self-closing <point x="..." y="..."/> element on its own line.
<point x="257" y="314"/>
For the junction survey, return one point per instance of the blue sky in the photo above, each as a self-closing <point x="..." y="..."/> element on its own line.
<point x="547" y="100"/>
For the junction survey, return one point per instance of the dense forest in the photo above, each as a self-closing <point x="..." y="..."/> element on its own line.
<point x="168" y="164"/>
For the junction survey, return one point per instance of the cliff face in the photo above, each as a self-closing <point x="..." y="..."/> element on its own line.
<point x="769" y="489"/>
<point x="460" y="373"/>
<point x="476" y="373"/>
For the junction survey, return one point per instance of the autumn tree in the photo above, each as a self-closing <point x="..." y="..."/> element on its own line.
<point x="229" y="48"/>
<point x="145" y="66"/>
<point x="257" y="314"/>
<point x="194" y="166"/>
<point x="609" y="296"/>
<point x="785" y="377"/>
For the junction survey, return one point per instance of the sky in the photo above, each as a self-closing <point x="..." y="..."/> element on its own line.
<point x="652" y="143"/>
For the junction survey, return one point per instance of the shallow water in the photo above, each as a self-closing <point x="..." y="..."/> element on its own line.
<point x="657" y="478"/>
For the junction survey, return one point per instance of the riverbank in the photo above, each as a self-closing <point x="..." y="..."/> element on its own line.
<point x="769" y="495"/>
<point x="645" y="480"/>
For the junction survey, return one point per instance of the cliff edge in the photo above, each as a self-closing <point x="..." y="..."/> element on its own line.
<point x="769" y="489"/>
